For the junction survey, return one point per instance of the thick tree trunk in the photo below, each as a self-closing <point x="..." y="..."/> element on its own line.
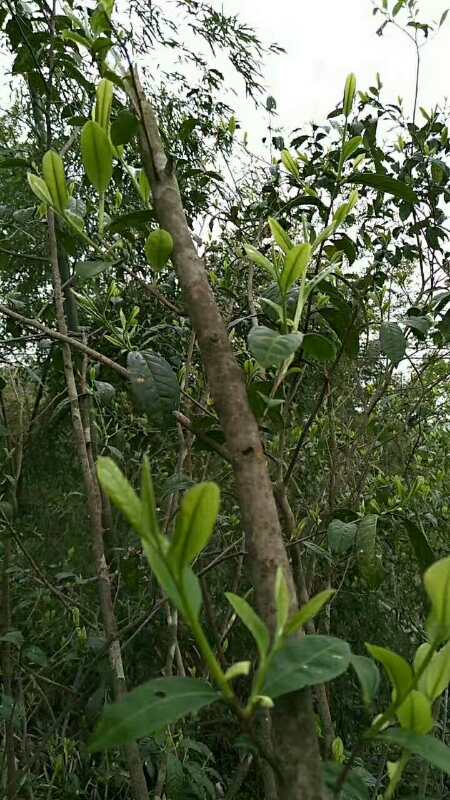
<point x="294" y="736"/>
<point x="94" y="503"/>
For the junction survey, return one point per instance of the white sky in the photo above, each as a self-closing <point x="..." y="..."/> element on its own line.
<point x="327" y="39"/>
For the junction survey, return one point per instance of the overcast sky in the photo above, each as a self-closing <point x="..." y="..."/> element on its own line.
<point x="325" y="40"/>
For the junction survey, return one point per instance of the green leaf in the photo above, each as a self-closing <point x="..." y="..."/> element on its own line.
<point x="144" y="186"/>
<point x="73" y="36"/>
<point x="443" y="17"/>
<point x="104" y="95"/>
<point x="399" y="672"/>
<point x="192" y="591"/>
<point x="420" y="543"/>
<point x="392" y="342"/>
<point x="384" y="183"/>
<point x="84" y="270"/>
<point x="153" y="383"/>
<point x="436" y="677"/>
<point x="308" y="611"/>
<point x="415" y="713"/>
<point x="369" y="561"/>
<point x="12" y="163"/>
<point x="137" y="220"/>
<point x="99" y="20"/>
<point x="351" y="146"/>
<point x="154" y="552"/>
<point x="282" y="600"/>
<point x="437" y="586"/>
<point x="149" y="516"/>
<point x="271" y="348"/>
<point x="421" y="324"/>
<point x="195" y="523"/>
<point x="349" y="93"/>
<point x="120" y="492"/>
<point x="368" y="676"/>
<point x="324" y="273"/>
<point x="39" y="187"/>
<point x="13" y="637"/>
<point x="104" y="392"/>
<point x="53" y="172"/>
<point x="319" y="347"/>
<point x="108" y="6"/>
<point x="306" y="662"/>
<point x="290" y="163"/>
<point x="252" y="621"/>
<point x="149" y="708"/>
<point x="97" y="155"/>
<point x="75" y="220"/>
<point x="261" y="261"/>
<point x="124" y="128"/>
<point x="36" y="655"/>
<point x="341" y="536"/>
<point x="237" y="669"/>
<point x="354" y="787"/>
<point x="282" y="238"/>
<point x="427" y="747"/>
<point x="295" y="265"/>
<point x="158" y="248"/>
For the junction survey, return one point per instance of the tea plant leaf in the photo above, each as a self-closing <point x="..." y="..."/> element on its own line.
<point x="306" y="662"/>
<point x="432" y="750"/>
<point x="153" y="383"/>
<point x="271" y="348"/>
<point x="195" y="523"/>
<point x="97" y="155"/>
<point x="149" y="708"/>
<point x="250" y="618"/>
<point x="368" y="676"/>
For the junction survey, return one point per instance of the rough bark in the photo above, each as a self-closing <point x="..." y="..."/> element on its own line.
<point x="320" y="691"/>
<point x="82" y="438"/>
<point x="295" y="741"/>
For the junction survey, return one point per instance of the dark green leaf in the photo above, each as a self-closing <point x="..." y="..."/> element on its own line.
<point x="36" y="655"/>
<point x="432" y="750"/>
<point x="354" y="787"/>
<point x="384" y="183"/>
<point x="153" y="383"/>
<point x="149" y="708"/>
<point x="252" y="621"/>
<point x="135" y="219"/>
<point x="341" y="536"/>
<point x="420" y="543"/>
<point x="318" y="347"/>
<point x="347" y="246"/>
<point x="123" y="128"/>
<point x="306" y="662"/>
<point x="368" y="676"/>
<point x="392" y="342"/>
<point x="368" y="559"/>
<point x="104" y="392"/>
<point x="13" y="637"/>
<point x="84" y="270"/>
<point x="14" y="163"/>
<point x="271" y="348"/>
<point x="421" y="324"/>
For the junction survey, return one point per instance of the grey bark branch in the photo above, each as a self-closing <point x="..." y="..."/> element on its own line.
<point x="294" y="735"/>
